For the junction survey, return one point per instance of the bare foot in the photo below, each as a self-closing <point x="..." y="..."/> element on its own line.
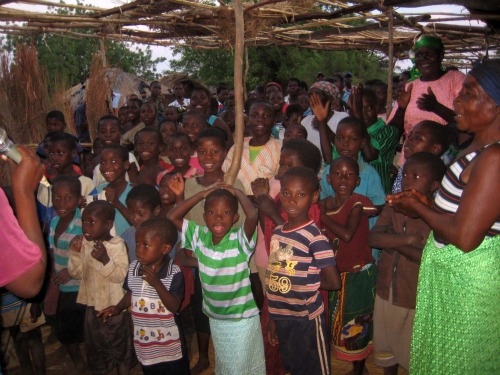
<point x="201" y="366"/>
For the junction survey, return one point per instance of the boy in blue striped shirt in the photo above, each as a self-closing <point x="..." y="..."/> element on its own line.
<point x="66" y="197"/>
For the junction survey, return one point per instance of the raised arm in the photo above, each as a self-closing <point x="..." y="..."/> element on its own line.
<point x="176" y="214"/>
<point x="321" y="112"/>
<point x="252" y="216"/>
<point x="25" y="178"/>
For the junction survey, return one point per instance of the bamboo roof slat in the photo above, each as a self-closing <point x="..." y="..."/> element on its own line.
<point x="325" y="24"/>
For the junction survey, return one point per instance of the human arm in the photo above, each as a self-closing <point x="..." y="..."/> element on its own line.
<point x="177" y="213"/>
<point x="75" y="263"/>
<point x="477" y="212"/>
<point x="110" y="311"/>
<point x="428" y="102"/>
<point x="408" y="245"/>
<point x="346" y="231"/>
<point x="115" y="270"/>
<point x="133" y="172"/>
<point x="61" y="277"/>
<point x="321" y="113"/>
<point x="403" y="99"/>
<point x="252" y="217"/>
<point x="272" y="336"/>
<point x="169" y="300"/>
<point x="25" y="177"/>
<point x="330" y="278"/>
<point x="113" y="198"/>
<point x="183" y="259"/>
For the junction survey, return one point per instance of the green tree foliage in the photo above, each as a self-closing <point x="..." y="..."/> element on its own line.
<point x="68" y="57"/>
<point x="277" y="63"/>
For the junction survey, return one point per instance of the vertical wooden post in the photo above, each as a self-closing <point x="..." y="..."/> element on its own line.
<point x="103" y="52"/>
<point x="391" y="62"/>
<point x="238" y="91"/>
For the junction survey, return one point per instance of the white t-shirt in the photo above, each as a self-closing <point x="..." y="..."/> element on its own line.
<point x="176" y="104"/>
<point x="313" y="133"/>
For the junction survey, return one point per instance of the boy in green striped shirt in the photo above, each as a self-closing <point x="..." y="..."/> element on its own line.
<point x="223" y="253"/>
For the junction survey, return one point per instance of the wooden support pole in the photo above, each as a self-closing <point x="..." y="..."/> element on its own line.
<point x="391" y="62"/>
<point x="239" y="48"/>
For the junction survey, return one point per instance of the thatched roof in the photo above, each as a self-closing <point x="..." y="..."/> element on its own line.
<point x="329" y="25"/>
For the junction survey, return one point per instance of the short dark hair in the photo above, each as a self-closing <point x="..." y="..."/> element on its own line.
<point x="67" y="138"/>
<point x="305" y="174"/>
<point x="146" y="194"/>
<point x="439" y="134"/>
<point x="149" y="130"/>
<point x="201" y="88"/>
<point x="180" y="136"/>
<point x="137" y="101"/>
<point x="308" y="153"/>
<point x="167" y="122"/>
<point x="215" y="133"/>
<point x="222" y="193"/>
<point x="345" y="159"/>
<point x="222" y="86"/>
<point x="74" y="183"/>
<point x="58" y="115"/>
<point x="106" y="118"/>
<point x="432" y="162"/>
<point x="294" y="79"/>
<point x="196" y="113"/>
<point x="355" y="123"/>
<point x="106" y="209"/>
<point x="293" y="109"/>
<point x="369" y="94"/>
<point x="151" y="104"/>
<point x="261" y="102"/>
<point x="164" y="228"/>
<point x="119" y="149"/>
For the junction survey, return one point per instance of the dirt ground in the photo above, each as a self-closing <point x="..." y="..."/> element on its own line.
<point x="59" y="363"/>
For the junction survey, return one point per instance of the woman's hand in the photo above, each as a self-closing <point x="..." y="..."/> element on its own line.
<point x="406" y="202"/>
<point x="404" y="96"/>
<point x="319" y="109"/>
<point x="27" y="174"/>
<point x="428" y="102"/>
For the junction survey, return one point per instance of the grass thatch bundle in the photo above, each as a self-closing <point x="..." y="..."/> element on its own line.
<point x="61" y="100"/>
<point x="24" y="98"/>
<point x="98" y="94"/>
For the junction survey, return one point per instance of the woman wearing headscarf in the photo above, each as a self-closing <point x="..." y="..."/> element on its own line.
<point x="456" y="326"/>
<point x="430" y="94"/>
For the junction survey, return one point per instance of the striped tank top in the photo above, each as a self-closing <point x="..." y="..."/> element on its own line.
<point x="452" y="187"/>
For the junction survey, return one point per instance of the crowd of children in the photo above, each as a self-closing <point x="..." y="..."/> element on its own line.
<point x="298" y="259"/>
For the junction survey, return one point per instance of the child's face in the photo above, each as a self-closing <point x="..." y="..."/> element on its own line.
<point x="348" y="141"/>
<point x="293" y="132"/>
<point x="199" y="99"/>
<point x="65" y="200"/>
<point x="293" y="119"/>
<point x="54" y="124"/>
<point x="179" y="152"/>
<point x="94" y="226"/>
<point x="171" y="114"/>
<point x="192" y="126"/>
<point x="60" y="156"/>
<point x="219" y="217"/>
<point x="166" y="194"/>
<point x="179" y="91"/>
<point x="370" y="111"/>
<point x="296" y="196"/>
<point x="419" y="140"/>
<point x="123" y="115"/>
<point x="148" y="114"/>
<point x="261" y="119"/>
<point x="270" y="90"/>
<point x="112" y="167"/>
<point x="288" y="159"/>
<point x="223" y="95"/>
<point x="166" y="130"/>
<point x="293" y="87"/>
<point x="109" y="132"/>
<point x="303" y="101"/>
<point x="277" y="100"/>
<point x="230" y="119"/>
<point x="155" y="90"/>
<point x="149" y="249"/>
<point x="211" y="154"/>
<point x="133" y="111"/>
<point x="140" y="212"/>
<point x="343" y="178"/>
<point x="147" y="146"/>
<point x="417" y="176"/>
<point x="229" y="102"/>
